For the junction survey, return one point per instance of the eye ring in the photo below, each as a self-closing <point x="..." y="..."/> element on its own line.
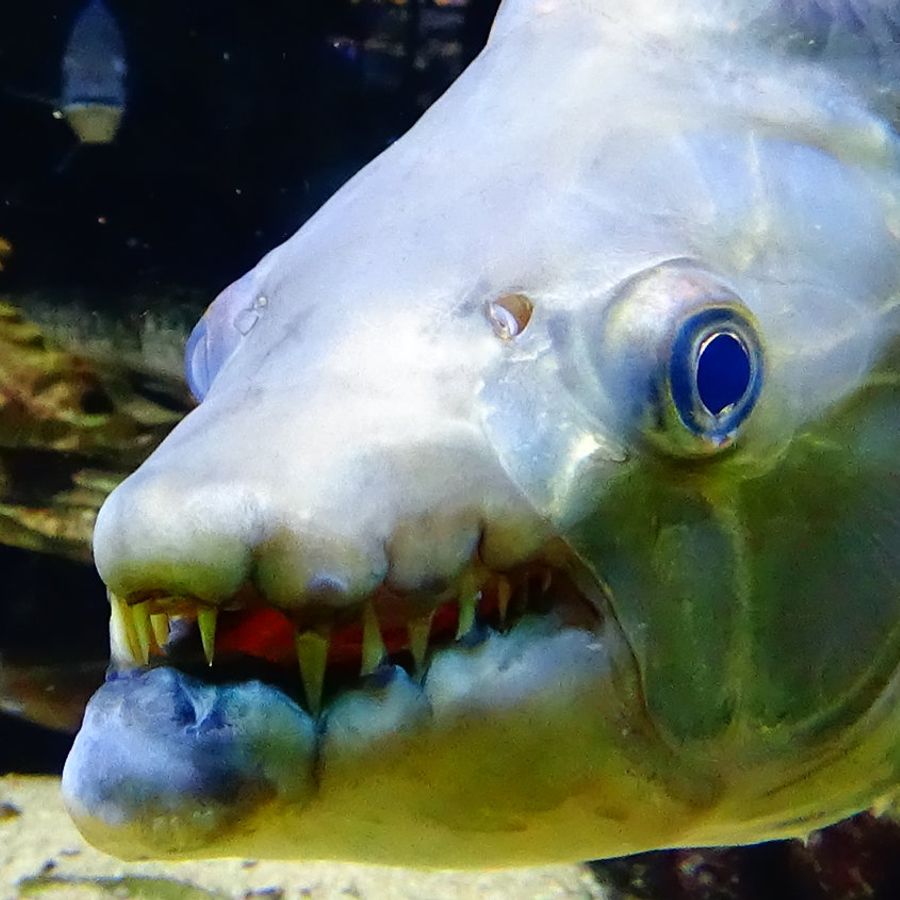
<point x="715" y="373"/>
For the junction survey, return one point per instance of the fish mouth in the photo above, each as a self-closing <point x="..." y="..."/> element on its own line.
<point x="315" y="653"/>
<point x="392" y="731"/>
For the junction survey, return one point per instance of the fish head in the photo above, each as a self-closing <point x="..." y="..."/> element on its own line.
<point x="559" y="447"/>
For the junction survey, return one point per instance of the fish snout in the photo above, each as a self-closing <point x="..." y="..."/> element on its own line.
<point x="392" y="531"/>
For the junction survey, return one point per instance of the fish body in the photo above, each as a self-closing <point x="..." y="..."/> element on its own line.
<point x="560" y="451"/>
<point x="93" y="96"/>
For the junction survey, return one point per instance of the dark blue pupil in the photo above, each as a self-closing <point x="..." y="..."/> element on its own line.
<point x="723" y="372"/>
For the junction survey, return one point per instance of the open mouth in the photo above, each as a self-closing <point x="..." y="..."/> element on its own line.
<point x="315" y="653"/>
<point x="322" y="732"/>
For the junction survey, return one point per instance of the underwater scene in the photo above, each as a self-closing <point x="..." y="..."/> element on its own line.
<point x="505" y="507"/>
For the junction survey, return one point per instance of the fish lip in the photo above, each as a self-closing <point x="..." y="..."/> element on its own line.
<point x="168" y="766"/>
<point x="161" y="761"/>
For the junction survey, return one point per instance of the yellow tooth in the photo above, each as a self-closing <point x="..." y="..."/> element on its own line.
<point x="373" y="649"/>
<point x="312" y="655"/>
<point x="123" y="640"/>
<point x="467" y="603"/>
<point x="206" y="620"/>
<point x="159" y="622"/>
<point x="418" y="641"/>
<point x="469" y="595"/>
<point x="504" y="592"/>
<point x="140" y="617"/>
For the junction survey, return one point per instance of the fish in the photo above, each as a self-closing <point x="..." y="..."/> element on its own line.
<point x="94" y="68"/>
<point x="541" y="501"/>
<point x="93" y="97"/>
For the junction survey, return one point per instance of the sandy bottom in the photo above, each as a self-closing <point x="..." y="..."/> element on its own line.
<point x="42" y="855"/>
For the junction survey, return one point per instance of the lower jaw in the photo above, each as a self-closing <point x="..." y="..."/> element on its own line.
<point x="494" y="757"/>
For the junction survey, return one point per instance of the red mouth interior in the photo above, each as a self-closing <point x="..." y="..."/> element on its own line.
<point x="268" y="634"/>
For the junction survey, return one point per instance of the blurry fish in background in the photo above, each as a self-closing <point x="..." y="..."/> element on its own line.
<point x="92" y="99"/>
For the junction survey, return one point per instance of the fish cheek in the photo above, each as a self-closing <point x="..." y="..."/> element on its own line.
<point x="669" y="563"/>
<point x="763" y="595"/>
<point x="823" y="528"/>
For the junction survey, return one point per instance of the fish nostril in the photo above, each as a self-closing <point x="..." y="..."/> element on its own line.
<point x="509" y="315"/>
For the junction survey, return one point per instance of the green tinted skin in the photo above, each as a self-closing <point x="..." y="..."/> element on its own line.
<point x="760" y="597"/>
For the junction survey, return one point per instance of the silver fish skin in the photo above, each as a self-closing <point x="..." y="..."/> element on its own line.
<point x="599" y="365"/>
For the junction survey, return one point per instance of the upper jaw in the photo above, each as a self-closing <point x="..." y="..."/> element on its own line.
<point x="313" y="648"/>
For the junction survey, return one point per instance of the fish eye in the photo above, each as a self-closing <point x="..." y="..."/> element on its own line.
<point x="214" y="339"/>
<point x="723" y="372"/>
<point x="715" y="373"/>
<point x="681" y="356"/>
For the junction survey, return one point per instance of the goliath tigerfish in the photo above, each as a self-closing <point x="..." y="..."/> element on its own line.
<point x="561" y="448"/>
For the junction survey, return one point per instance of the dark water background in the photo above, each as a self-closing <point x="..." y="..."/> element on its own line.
<point x="242" y="118"/>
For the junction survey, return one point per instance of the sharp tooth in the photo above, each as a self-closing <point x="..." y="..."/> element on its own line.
<point x="140" y="617"/>
<point x="159" y="622"/>
<point x="312" y="655"/>
<point x="206" y="620"/>
<point x="418" y="641"/>
<point x="123" y="640"/>
<point x="503" y="594"/>
<point x="467" y="604"/>
<point x="469" y="595"/>
<point x="373" y="649"/>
